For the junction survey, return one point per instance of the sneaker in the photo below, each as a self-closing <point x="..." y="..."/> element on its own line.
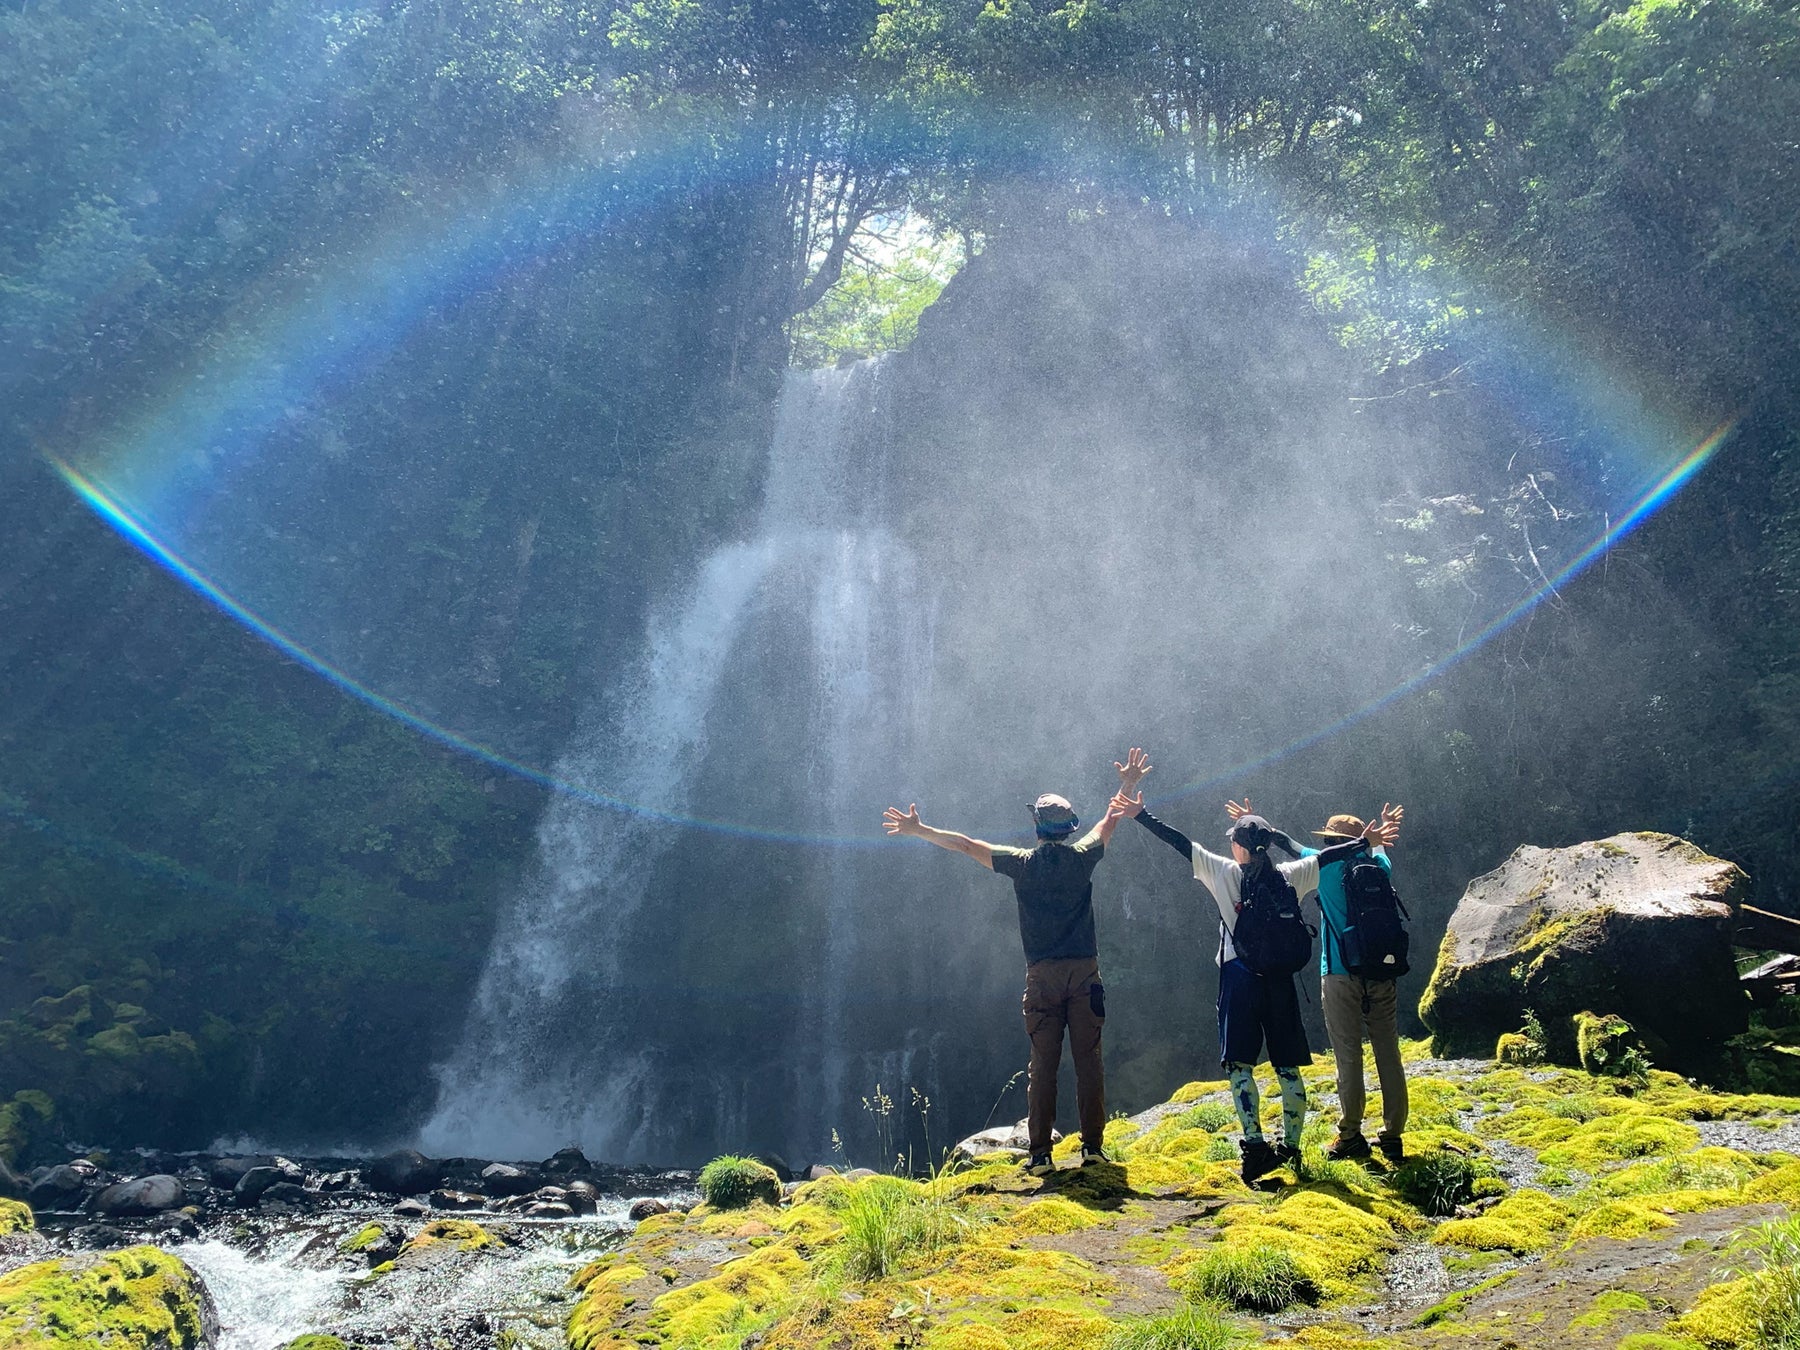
<point x="1092" y="1155"/>
<point x="1259" y="1159"/>
<point x="1348" y="1146"/>
<point x="1041" y="1164"/>
<point x="1392" y="1149"/>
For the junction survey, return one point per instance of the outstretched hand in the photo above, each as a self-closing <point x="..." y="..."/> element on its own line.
<point x="896" y="821"/>
<point x="1132" y="771"/>
<point x="1385" y="830"/>
<point x="1125" y="805"/>
<point x="1237" y="809"/>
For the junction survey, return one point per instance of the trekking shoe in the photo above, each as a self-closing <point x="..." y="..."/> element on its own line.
<point x="1392" y="1149"/>
<point x="1259" y="1159"/>
<point x="1041" y="1165"/>
<point x="1092" y="1155"/>
<point x="1286" y="1155"/>
<point x="1348" y="1147"/>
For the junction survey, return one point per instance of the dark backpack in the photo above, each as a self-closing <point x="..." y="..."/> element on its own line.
<point x="1272" y="936"/>
<point x="1374" y="942"/>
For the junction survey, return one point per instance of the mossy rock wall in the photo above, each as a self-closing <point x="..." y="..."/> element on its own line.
<point x="1637" y="924"/>
<point x="140" y="1298"/>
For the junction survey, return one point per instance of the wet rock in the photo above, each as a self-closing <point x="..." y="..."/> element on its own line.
<point x="568" y="1161"/>
<point x="777" y="1164"/>
<point x="142" y="1195"/>
<point x="505" y="1179"/>
<point x="98" y="1235"/>
<point x="412" y="1209"/>
<point x="375" y="1243"/>
<point x="644" y="1208"/>
<point x="406" y="1172"/>
<point x="333" y="1182"/>
<point x="175" y="1223"/>
<point x="1616" y="926"/>
<point x="581" y="1197"/>
<point x="252" y="1185"/>
<point x="288" y="1194"/>
<point x="456" y="1200"/>
<point x="547" y="1209"/>
<point x="819" y="1171"/>
<point x="225" y="1173"/>
<point x="56" y="1188"/>
<point x="12" y="1185"/>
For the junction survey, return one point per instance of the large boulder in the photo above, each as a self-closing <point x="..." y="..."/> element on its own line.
<point x="1637" y="925"/>
<point x="140" y="1298"/>
<point x="140" y="1195"/>
<point x="59" y="1187"/>
<point x="406" y="1172"/>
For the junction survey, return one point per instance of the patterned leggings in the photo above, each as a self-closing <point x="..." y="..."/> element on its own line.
<point x="1248" y="1102"/>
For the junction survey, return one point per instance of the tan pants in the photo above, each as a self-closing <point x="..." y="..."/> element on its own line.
<point x="1058" y="995"/>
<point x="1346" y="1021"/>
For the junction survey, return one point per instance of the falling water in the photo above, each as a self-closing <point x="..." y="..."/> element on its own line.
<point x="797" y="662"/>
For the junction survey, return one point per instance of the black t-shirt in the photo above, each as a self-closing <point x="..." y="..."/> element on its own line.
<point x="1054" y="885"/>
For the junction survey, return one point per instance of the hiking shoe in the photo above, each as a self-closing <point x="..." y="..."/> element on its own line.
<point x="1392" y="1149"/>
<point x="1348" y="1147"/>
<point x="1092" y="1155"/>
<point x="1259" y="1159"/>
<point x="1041" y="1164"/>
<point x="1286" y="1154"/>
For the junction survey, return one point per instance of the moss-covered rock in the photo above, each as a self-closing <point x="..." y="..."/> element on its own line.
<point x="140" y="1298"/>
<point x="731" y="1182"/>
<point x="1617" y="923"/>
<point x="15" y="1217"/>
<point x="315" y="1341"/>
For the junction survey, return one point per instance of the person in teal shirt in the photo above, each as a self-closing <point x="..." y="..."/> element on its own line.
<point x="1356" y="1009"/>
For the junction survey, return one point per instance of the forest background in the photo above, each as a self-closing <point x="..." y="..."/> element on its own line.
<point x="234" y="898"/>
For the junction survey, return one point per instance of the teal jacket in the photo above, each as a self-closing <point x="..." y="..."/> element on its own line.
<point x="1331" y="905"/>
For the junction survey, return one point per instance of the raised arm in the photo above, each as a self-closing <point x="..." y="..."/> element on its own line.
<point x="1134" y="807"/>
<point x="896" y="821"/>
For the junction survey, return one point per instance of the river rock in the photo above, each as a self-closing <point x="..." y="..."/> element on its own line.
<point x="256" y="1181"/>
<point x="505" y="1179"/>
<point x="1014" y="1139"/>
<point x="412" y="1209"/>
<point x="1636" y="925"/>
<point x="61" y="1187"/>
<point x="456" y="1200"/>
<point x="289" y="1194"/>
<point x="581" y="1197"/>
<point x="12" y="1185"/>
<point x="98" y="1236"/>
<point x="644" y="1208"/>
<point x="567" y="1161"/>
<point x="406" y="1172"/>
<point x="547" y="1209"/>
<point x="225" y="1173"/>
<point x="174" y="1223"/>
<point x="141" y="1195"/>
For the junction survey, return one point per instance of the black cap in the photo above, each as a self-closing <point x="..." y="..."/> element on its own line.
<point x="1253" y="832"/>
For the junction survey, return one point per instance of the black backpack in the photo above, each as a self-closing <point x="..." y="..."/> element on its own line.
<point x="1272" y="936"/>
<point x="1374" y="942"/>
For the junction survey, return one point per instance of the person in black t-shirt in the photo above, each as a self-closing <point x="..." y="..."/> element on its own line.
<point x="1053" y="884"/>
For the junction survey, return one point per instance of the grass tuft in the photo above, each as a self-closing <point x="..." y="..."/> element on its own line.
<point x="1436" y="1183"/>
<point x="1194" y="1326"/>
<point x="1260" y="1278"/>
<point x="731" y="1182"/>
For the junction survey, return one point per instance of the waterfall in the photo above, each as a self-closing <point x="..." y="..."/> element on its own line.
<point x="777" y="692"/>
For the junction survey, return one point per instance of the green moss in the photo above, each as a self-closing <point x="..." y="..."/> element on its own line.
<point x="465" y="1234"/>
<point x="1619" y="1138"/>
<point x="1053" y="1215"/>
<point x="138" y="1297"/>
<point x="747" y="1294"/>
<point x="15" y="1217"/>
<point x="316" y="1342"/>
<point x="1609" y="1305"/>
<point x="1451" y="1308"/>
<point x="1724" y="1316"/>
<point x="363" y="1238"/>
<point x="1524" y="1222"/>
<point x="1656" y="1340"/>
<point x="731" y="1182"/>
<point x="1189" y="1327"/>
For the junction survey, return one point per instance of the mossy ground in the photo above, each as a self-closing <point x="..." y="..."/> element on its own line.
<point x="1603" y="1217"/>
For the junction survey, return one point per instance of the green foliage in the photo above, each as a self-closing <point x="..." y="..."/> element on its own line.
<point x="15" y="1217"/>
<point x="1212" y="1116"/>
<point x="889" y="1221"/>
<point x="1767" y="1258"/>
<point x="1255" y="1278"/>
<point x="731" y="1182"/>
<point x="1436" y="1182"/>
<point x="1192" y="1326"/>
<point x="875" y="305"/>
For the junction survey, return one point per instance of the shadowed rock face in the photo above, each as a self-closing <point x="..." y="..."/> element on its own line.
<point x="1637" y="924"/>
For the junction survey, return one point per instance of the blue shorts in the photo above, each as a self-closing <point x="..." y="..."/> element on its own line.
<point x="1257" y="1008"/>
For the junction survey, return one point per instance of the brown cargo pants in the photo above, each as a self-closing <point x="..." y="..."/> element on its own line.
<point x="1060" y="995"/>
<point x="1347" y="1018"/>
